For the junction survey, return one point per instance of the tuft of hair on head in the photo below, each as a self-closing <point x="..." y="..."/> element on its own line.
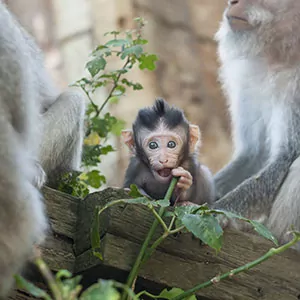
<point x="160" y="107"/>
<point x="150" y="117"/>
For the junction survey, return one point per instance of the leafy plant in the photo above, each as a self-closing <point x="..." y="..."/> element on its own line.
<point x="128" y="46"/>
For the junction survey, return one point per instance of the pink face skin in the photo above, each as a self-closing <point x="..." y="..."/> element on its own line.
<point x="163" y="150"/>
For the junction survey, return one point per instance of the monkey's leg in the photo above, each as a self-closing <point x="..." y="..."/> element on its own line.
<point x="63" y="134"/>
<point x="255" y="196"/>
<point x="285" y="212"/>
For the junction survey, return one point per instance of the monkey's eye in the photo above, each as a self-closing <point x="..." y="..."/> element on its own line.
<point x="153" y="145"/>
<point x="171" y="144"/>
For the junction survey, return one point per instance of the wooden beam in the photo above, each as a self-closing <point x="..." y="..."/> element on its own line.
<point x="182" y="262"/>
<point x="179" y="261"/>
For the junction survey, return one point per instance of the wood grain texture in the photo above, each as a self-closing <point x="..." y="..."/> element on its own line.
<point x="179" y="261"/>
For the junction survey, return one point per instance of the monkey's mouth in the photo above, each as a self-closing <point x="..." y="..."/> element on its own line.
<point x="164" y="175"/>
<point x="166" y="172"/>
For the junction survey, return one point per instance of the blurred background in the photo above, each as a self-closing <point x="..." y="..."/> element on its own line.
<point x="179" y="32"/>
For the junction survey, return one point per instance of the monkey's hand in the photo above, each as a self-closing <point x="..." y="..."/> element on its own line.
<point x="40" y="176"/>
<point x="186" y="179"/>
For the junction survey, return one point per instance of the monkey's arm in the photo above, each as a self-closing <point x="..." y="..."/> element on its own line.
<point x="60" y="150"/>
<point x="234" y="173"/>
<point x="254" y="197"/>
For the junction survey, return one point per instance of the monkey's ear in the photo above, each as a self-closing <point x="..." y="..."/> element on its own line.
<point x="127" y="136"/>
<point x="195" y="138"/>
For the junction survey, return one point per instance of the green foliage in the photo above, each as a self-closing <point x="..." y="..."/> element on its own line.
<point x="170" y="294"/>
<point x="205" y="227"/>
<point x="128" y="47"/>
<point x="104" y="290"/>
<point x="31" y="288"/>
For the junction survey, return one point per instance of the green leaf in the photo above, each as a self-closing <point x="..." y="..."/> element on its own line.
<point x="103" y="290"/>
<point x="69" y="285"/>
<point x="180" y="211"/>
<point x="136" y="50"/>
<point x="114" y="32"/>
<point x="134" y="191"/>
<point x="258" y="227"/>
<point x="119" y="90"/>
<point x="31" y="288"/>
<point x="140" y="41"/>
<point x="102" y="50"/>
<point x="172" y="293"/>
<point x="106" y="149"/>
<point x="63" y="273"/>
<point x="95" y="235"/>
<point x="94" y="179"/>
<point x="206" y="228"/>
<point x="148" y="62"/>
<point x="98" y="254"/>
<point x="96" y="65"/>
<point x="263" y="231"/>
<point x="117" y="128"/>
<point x="135" y="86"/>
<point x="162" y="203"/>
<point x="116" y="43"/>
<point x="114" y="100"/>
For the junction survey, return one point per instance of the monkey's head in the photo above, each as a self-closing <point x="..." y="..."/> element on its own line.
<point x="269" y="28"/>
<point x="162" y="138"/>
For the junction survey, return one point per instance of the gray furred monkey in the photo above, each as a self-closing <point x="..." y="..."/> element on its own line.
<point x="39" y="129"/>
<point x="259" y="44"/>
<point x="163" y="144"/>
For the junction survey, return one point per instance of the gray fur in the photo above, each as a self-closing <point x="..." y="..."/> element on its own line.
<point x="37" y="126"/>
<point x="260" y="73"/>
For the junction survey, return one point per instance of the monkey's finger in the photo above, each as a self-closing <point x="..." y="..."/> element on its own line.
<point x="181" y="173"/>
<point x="184" y="180"/>
<point x="183" y="186"/>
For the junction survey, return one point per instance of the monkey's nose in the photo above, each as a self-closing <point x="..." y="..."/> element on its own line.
<point x="163" y="161"/>
<point x="233" y="2"/>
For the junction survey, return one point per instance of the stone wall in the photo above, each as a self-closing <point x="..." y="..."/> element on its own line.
<point x="179" y="32"/>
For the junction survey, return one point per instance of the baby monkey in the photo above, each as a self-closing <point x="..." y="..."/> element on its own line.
<point x="163" y="144"/>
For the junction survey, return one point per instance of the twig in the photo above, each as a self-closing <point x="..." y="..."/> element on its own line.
<point x="113" y="88"/>
<point x="137" y="264"/>
<point x="159" y="219"/>
<point x="45" y="271"/>
<point x="244" y="268"/>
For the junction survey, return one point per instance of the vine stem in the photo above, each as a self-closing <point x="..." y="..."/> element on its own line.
<point x="136" y="267"/>
<point x="248" y="266"/>
<point x="113" y="88"/>
<point x="46" y="273"/>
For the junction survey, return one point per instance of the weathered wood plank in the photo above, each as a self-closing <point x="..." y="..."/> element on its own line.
<point x="86" y="215"/>
<point x="276" y="279"/>
<point x="62" y="211"/>
<point x="58" y="253"/>
<point x="125" y="227"/>
<point x="179" y="261"/>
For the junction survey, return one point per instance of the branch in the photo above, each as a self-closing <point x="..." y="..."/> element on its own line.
<point x="113" y="89"/>
<point x="230" y="274"/>
<point x="136" y="267"/>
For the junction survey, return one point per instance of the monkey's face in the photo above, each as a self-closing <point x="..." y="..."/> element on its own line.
<point x="261" y="27"/>
<point x="163" y="149"/>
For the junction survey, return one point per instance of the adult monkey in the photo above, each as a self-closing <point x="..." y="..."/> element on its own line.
<point x="39" y="129"/>
<point x="259" y="44"/>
